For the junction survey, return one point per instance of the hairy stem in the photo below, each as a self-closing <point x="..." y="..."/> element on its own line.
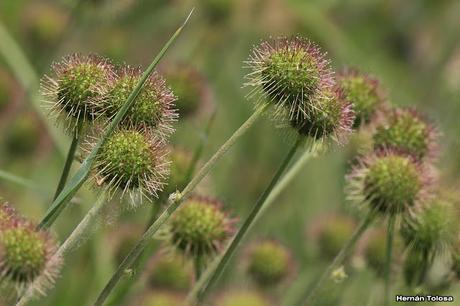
<point x="70" y="243"/>
<point x="215" y="270"/>
<point x="174" y="202"/>
<point x="69" y="159"/>
<point x="390" y="239"/>
<point x="339" y="257"/>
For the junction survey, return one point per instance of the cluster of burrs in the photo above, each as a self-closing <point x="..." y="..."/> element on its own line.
<point x="26" y="256"/>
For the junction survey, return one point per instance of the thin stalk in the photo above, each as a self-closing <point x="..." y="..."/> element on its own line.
<point x="24" y="72"/>
<point x="174" y="202"/>
<point x="216" y="270"/>
<point x="70" y="243"/>
<point x="69" y="159"/>
<point x="390" y="240"/>
<point x="13" y="178"/>
<point x="83" y="172"/>
<point x="339" y="257"/>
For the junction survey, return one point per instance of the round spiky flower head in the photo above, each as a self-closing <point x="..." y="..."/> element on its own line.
<point x="331" y="232"/>
<point x="331" y="117"/>
<point x="26" y="254"/>
<point x="269" y="262"/>
<point x="153" y="107"/>
<point x="363" y="92"/>
<point x="405" y="130"/>
<point x="190" y="87"/>
<point x="131" y="160"/>
<point x="170" y="271"/>
<point x="200" y="227"/>
<point x="79" y="85"/>
<point x="291" y="73"/>
<point x="162" y="298"/>
<point x="434" y="229"/>
<point x="388" y="182"/>
<point x="241" y="298"/>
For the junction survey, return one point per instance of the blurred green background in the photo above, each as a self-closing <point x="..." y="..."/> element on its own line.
<point x="411" y="46"/>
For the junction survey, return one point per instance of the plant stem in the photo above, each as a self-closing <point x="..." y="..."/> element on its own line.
<point x="390" y="239"/>
<point x="174" y="202"/>
<point x="69" y="159"/>
<point x="215" y="270"/>
<point x="13" y="178"/>
<point x="70" y="243"/>
<point x="340" y="257"/>
<point x="83" y="172"/>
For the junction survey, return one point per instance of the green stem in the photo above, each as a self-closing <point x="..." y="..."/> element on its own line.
<point x="69" y="159"/>
<point x="174" y="202"/>
<point x="390" y="239"/>
<point x="83" y="172"/>
<point x="13" y="178"/>
<point x="215" y="271"/>
<point x="74" y="239"/>
<point x="339" y="257"/>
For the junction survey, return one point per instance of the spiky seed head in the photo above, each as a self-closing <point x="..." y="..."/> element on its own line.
<point x="405" y="130"/>
<point x="180" y="164"/>
<point x="269" y="262"/>
<point x="79" y="85"/>
<point x="191" y="89"/>
<point x="170" y="271"/>
<point x="291" y="73"/>
<point x="374" y="250"/>
<point x="388" y="182"/>
<point x="331" y="232"/>
<point x="162" y="298"/>
<point x="7" y="215"/>
<point x="200" y="227"/>
<point x="153" y="107"/>
<point x="415" y="268"/>
<point x="23" y="137"/>
<point x="434" y="229"/>
<point x="26" y="254"/>
<point x="132" y="160"/>
<point x="331" y="116"/>
<point x="241" y="298"/>
<point x="363" y="92"/>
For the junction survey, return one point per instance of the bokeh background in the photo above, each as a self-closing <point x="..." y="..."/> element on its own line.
<point x="411" y="46"/>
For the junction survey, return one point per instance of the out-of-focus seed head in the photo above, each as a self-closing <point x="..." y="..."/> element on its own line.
<point x="415" y="268"/>
<point x="170" y="271"/>
<point x="130" y="161"/>
<point x="331" y="232"/>
<point x="269" y="263"/>
<point x="388" y="182"/>
<point x="122" y="239"/>
<point x="405" y="130"/>
<point x="291" y="73"/>
<point x="191" y="89"/>
<point x="434" y="229"/>
<point x="331" y="117"/>
<point x="7" y="215"/>
<point x="162" y="298"/>
<point x="78" y="87"/>
<point x="23" y="136"/>
<point x="200" y="227"/>
<point x="241" y="298"/>
<point x="26" y="254"/>
<point x="153" y="107"/>
<point x="180" y="164"/>
<point x="363" y="92"/>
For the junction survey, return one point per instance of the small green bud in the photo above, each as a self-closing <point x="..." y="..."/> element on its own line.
<point x="389" y="182"/>
<point x="363" y="92"/>
<point x="241" y="298"/>
<point x="163" y="298"/>
<point x="130" y="160"/>
<point x="153" y="107"/>
<point x="170" y="272"/>
<point x="405" y="130"/>
<point x="78" y="87"/>
<point x="269" y="263"/>
<point x="434" y="229"/>
<point x="200" y="227"/>
<point x="191" y="89"/>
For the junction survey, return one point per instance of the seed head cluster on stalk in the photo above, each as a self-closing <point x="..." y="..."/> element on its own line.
<point x="25" y="255"/>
